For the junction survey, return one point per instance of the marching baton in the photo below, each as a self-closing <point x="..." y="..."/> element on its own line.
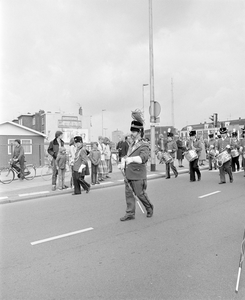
<point x="240" y="262"/>
<point x="129" y="186"/>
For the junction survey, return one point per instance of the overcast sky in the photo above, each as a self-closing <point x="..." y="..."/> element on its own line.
<point x="57" y="54"/>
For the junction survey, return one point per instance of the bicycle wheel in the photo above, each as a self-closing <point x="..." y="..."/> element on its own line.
<point x="6" y="175"/>
<point x="47" y="172"/>
<point x="29" y="172"/>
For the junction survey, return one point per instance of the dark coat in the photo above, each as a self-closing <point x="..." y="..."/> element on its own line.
<point x="53" y="147"/>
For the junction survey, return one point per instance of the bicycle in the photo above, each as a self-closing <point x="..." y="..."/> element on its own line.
<point x="7" y="175"/>
<point x="47" y="170"/>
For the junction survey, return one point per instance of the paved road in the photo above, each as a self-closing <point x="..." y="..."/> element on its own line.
<point x="189" y="249"/>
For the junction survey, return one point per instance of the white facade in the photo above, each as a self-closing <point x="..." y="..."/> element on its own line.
<point x="70" y="124"/>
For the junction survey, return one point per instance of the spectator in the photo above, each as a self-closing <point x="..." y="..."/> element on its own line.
<point x="94" y="156"/>
<point x="61" y="167"/>
<point x="71" y="158"/>
<point x="125" y="147"/>
<point x="53" y="150"/>
<point x="102" y="168"/>
<point x="119" y="148"/>
<point x="107" y="151"/>
<point x="19" y="157"/>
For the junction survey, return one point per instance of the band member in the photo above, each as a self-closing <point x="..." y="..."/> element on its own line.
<point x="80" y="168"/>
<point x="235" y="145"/>
<point x="242" y="148"/>
<point x="135" y="170"/>
<point x="211" y="150"/>
<point x="194" y="144"/>
<point x="171" y="148"/>
<point x="224" y="144"/>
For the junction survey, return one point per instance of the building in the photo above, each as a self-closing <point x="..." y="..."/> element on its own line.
<point x="160" y="130"/>
<point x="48" y="123"/>
<point x="115" y="135"/>
<point x="31" y="140"/>
<point x="203" y="129"/>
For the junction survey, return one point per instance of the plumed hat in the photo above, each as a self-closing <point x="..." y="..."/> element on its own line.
<point x="138" y="123"/>
<point x="170" y="134"/>
<point x="58" y="133"/>
<point x="78" y="139"/>
<point x="192" y="133"/>
<point x="223" y="130"/>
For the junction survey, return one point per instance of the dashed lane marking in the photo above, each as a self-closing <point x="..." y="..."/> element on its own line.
<point x="210" y="194"/>
<point x="2" y="198"/>
<point x="61" y="236"/>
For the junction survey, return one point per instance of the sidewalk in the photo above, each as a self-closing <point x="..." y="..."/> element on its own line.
<point x="38" y="188"/>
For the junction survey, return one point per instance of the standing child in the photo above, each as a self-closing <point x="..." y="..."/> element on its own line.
<point x="61" y="167"/>
<point x="95" y="157"/>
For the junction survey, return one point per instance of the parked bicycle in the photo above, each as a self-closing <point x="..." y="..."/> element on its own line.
<point x="47" y="169"/>
<point x="7" y="175"/>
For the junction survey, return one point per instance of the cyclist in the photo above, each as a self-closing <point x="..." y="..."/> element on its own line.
<point x="19" y="157"/>
<point x="53" y="150"/>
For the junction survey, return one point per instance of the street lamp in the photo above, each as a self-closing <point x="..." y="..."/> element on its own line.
<point x="143" y="85"/>
<point x="102" y="122"/>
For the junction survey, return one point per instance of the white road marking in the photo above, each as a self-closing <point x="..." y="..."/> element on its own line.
<point x="120" y="180"/>
<point x="152" y="175"/>
<point x="31" y="194"/>
<point x="61" y="236"/>
<point x="203" y="196"/>
<point x="108" y="182"/>
<point x="1" y="198"/>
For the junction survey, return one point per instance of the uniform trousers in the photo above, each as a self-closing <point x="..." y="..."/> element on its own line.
<point x="225" y="168"/>
<point x="173" y="168"/>
<point x="194" y="168"/>
<point x="139" y="188"/>
<point x="79" y="181"/>
<point x="235" y="165"/>
<point x="210" y="160"/>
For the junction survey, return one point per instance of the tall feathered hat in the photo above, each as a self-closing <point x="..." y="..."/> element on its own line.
<point x="192" y="133"/>
<point x="169" y="133"/>
<point x="223" y="129"/>
<point x="138" y="121"/>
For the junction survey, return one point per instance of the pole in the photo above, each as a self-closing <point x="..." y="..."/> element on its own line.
<point x="152" y="114"/>
<point x="143" y="97"/>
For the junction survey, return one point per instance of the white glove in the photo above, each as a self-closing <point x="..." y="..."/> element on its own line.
<point x="81" y="168"/>
<point x="136" y="159"/>
<point x="228" y="147"/>
<point x="170" y="151"/>
<point x="120" y="166"/>
<point x="129" y="160"/>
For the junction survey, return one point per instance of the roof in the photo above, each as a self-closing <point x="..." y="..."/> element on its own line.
<point x="19" y="128"/>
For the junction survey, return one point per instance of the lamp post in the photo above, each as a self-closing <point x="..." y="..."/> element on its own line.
<point x="143" y="98"/>
<point x="102" y="122"/>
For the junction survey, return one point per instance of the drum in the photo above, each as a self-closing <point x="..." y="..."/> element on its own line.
<point x="234" y="153"/>
<point x="222" y="158"/>
<point x="167" y="157"/>
<point x="191" y="155"/>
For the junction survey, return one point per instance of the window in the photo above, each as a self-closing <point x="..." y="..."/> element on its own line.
<point x="10" y="146"/>
<point x="33" y="121"/>
<point x="26" y="143"/>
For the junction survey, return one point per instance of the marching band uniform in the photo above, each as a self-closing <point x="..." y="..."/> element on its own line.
<point x="212" y="146"/>
<point x="242" y="148"/>
<point x="235" y="145"/>
<point x="224" y="144"/>
<point x="194" y="144"/>
<point x="135" y="172"/>
<point x="171" y="148"/>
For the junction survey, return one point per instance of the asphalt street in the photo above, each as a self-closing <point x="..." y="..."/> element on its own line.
<point x="75" y="247"/>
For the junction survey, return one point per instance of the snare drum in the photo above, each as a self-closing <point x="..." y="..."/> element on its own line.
<point x="191" y="155"/>
<point x="222" y="158"/>
<point x="234" y="153"/>
<point x="167" y="157"/>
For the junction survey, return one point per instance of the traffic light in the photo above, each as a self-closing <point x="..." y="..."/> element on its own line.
<point x="214" y="119"/>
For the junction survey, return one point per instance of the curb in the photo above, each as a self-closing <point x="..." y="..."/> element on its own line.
<point x="68" y="191"/>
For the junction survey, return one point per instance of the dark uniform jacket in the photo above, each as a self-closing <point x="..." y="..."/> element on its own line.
<point x="136" y="171"/>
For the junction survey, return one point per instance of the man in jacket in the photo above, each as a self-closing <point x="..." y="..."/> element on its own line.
<point x="53" y="150"/>
<point x="135" y="172"/>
